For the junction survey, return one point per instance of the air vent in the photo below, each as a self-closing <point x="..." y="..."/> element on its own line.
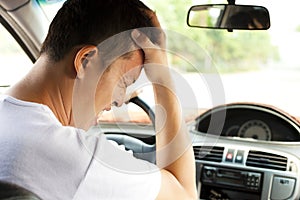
<point x="266" y="160"/>
<point x="208" y="153"/>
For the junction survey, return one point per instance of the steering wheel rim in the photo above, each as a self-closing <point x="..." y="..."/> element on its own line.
<point x="146" y="108"/>
<point x="139" y="148"/>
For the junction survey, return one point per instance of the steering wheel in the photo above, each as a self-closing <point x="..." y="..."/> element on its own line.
<point x="139" y="148"/>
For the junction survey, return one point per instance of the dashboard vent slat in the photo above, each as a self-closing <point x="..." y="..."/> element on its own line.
<point x="266" y="160"/>
<point x="208" y="153"/>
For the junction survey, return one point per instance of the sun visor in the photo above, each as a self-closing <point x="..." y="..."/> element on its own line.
<point x="10" y="5"/>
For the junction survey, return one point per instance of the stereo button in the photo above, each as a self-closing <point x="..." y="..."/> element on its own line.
<point x="229" y="155"/>
<point x="282" y="188"/>
<point x="239" y="158"/>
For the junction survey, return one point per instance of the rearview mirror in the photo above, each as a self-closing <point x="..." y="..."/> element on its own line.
<point x="224" y="16"/>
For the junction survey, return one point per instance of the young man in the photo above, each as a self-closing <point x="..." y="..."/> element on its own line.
<point x="93" y="51"/>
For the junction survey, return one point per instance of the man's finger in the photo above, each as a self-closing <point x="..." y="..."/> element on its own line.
<point x="141" y="39"/>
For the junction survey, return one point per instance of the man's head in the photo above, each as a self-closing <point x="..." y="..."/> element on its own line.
<point x="93" y="38"/>
<point x="90" y="22"/>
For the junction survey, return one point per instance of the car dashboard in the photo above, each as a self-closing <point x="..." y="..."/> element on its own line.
<point x="246" y="151"/>
<point x="255" y="155"/>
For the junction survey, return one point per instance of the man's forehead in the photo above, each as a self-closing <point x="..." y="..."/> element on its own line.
<point x="131" y="64"/>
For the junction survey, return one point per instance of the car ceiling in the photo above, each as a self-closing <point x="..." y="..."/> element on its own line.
<point x="10" y="5"/>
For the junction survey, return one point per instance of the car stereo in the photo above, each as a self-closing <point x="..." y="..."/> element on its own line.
<point x="239" y="179"/>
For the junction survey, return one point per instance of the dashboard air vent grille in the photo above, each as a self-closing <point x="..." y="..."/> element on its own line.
<point x="209" y="153"/>
<point x="266" y="160"/>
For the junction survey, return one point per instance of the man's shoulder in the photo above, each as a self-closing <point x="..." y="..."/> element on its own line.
<point x="13" y="110"/>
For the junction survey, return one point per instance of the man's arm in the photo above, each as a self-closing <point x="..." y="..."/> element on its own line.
<point x="174" y="151"/>
<point x="174" y="154"/>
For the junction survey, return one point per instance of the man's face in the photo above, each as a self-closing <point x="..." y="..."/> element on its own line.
<point x="119" y="75"/>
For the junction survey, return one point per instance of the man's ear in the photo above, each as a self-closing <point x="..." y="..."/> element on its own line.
<point x="82" y="58"/>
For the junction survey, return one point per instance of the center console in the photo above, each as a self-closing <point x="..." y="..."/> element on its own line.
<point x="235" y="172"/>
<point x="228" y="183"/>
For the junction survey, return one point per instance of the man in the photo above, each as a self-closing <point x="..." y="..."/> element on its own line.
<point x="47" y="145"/>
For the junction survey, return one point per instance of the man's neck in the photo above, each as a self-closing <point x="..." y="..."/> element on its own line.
<point x="50" y="84"/>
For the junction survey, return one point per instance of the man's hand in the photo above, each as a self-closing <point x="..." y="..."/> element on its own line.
<point x="155" y="58"/>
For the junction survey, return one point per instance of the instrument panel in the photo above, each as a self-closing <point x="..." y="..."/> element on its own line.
<point x="249" y="121"/>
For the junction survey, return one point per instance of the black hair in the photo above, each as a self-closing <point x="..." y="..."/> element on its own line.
<point x="90" y="22"/>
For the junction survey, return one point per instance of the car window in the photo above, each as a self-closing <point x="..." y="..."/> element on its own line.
<point x="14" y="63"/>
<point x="50" y="7"/>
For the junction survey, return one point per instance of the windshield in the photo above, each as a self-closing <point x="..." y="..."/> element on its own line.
<point x="213" y="67"/>
<point x="254" y="66"/>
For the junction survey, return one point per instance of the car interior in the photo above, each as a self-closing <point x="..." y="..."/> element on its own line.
<point x="246" y="147"/>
